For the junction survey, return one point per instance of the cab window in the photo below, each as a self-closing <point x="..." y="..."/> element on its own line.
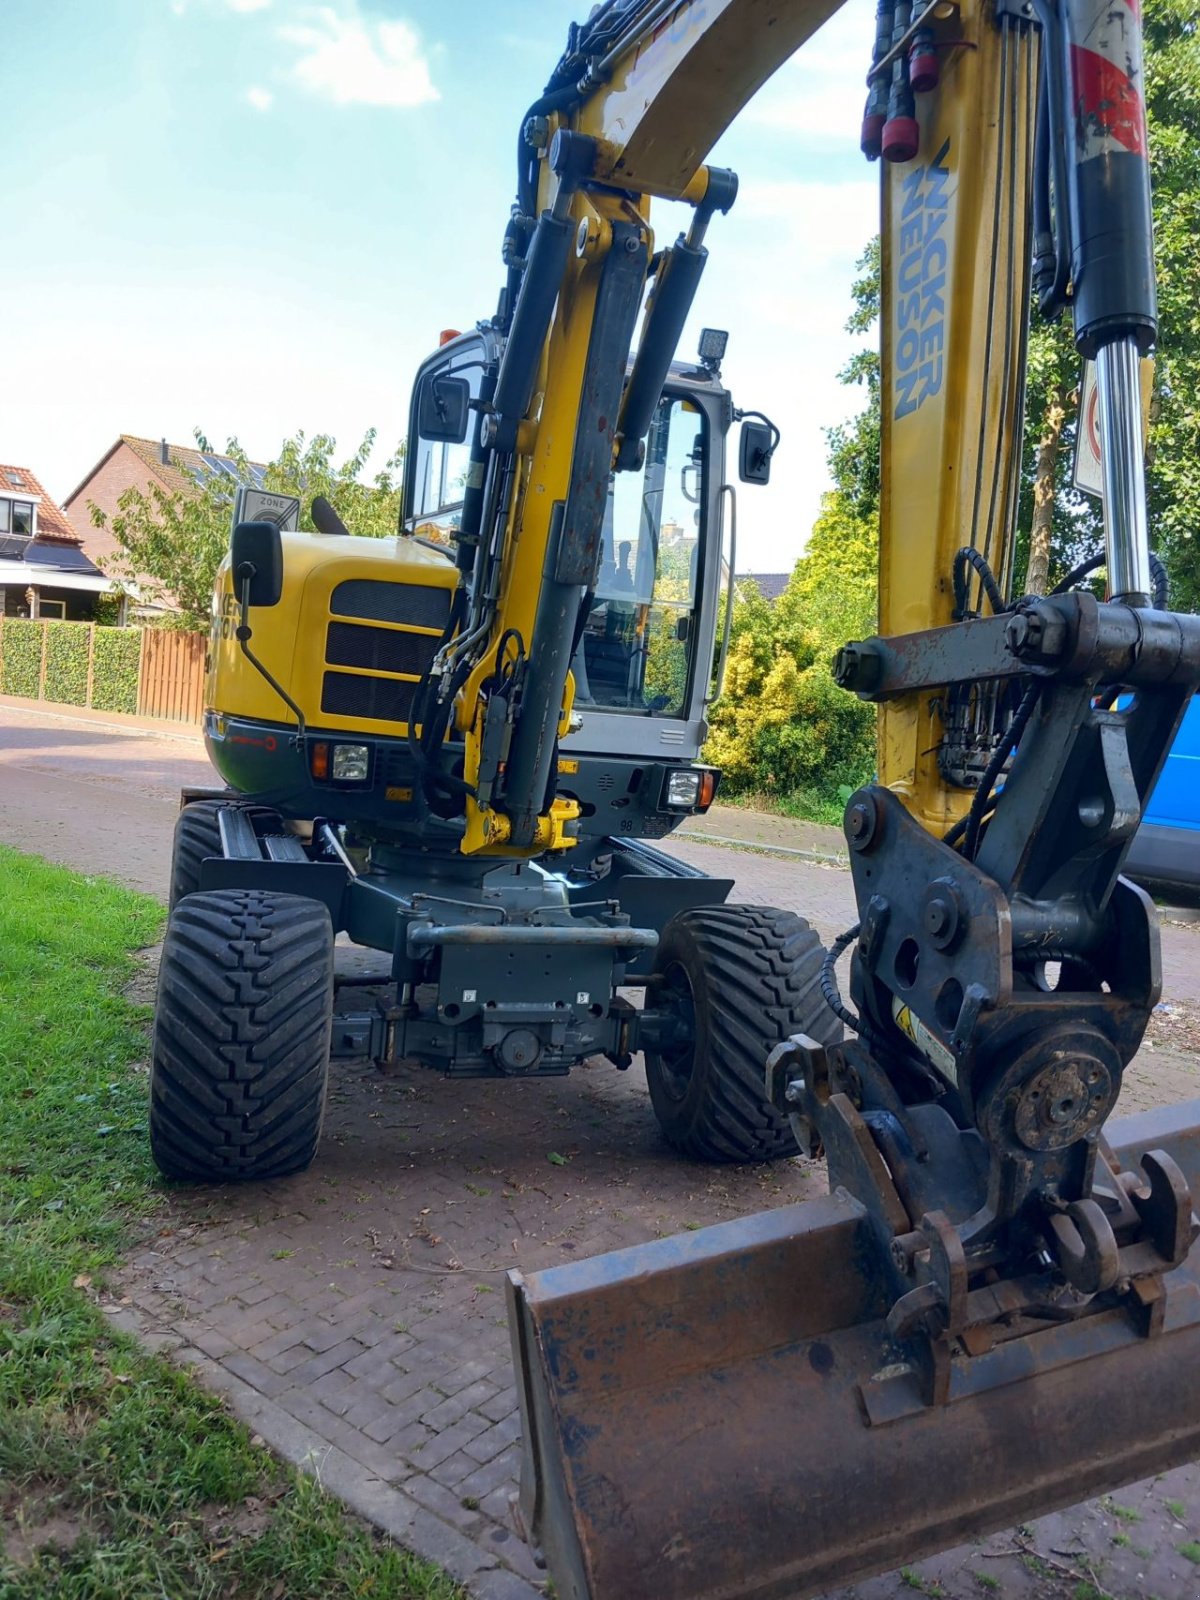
<point x="433" y="505"/>
<point x="637" y="647"/>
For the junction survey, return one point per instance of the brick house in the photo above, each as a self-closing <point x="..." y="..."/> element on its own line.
<point x="135" y="463"/>
<point x="44" y="570"/>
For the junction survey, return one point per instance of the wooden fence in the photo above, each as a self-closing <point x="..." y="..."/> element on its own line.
<point x="171" y="675"/>
<point x="149" y="672"/>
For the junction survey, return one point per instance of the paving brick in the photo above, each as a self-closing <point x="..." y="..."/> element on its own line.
<point x="502" y="1585"/>
<point x="449" y="1440"/>
<point x="499" y="1473"/>
<point x="494" y="1439"/>
<point x="254" y="1373"/>
<point x="318" y="1365"/>
<point x="453" y="1470"/>
<point x="500" y="1405"/>
<point x="445" y="1503"/>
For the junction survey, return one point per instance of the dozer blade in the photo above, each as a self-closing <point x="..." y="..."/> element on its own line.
<point x="714" y="1417"/>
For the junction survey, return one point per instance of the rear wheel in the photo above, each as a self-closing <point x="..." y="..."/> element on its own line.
<point x="197" y="836"/>
<point x="241" y="1036"/>
<point x="742" y="978"/>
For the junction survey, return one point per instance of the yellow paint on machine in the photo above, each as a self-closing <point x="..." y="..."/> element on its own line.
<point x="290" y="638"/>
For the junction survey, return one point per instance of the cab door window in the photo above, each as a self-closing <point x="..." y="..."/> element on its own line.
<point x="439" y="473"/>
<point x="636" y="652"/>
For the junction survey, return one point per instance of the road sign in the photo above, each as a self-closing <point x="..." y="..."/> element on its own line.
<point x="1089" y="456"/>
<point x="257" y="505"/>
<point x="1089" y="463"/>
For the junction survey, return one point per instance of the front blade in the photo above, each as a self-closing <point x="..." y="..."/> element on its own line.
<point x="697" y="1411"/>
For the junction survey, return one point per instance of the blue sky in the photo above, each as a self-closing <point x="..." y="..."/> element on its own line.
<point x="254" y="216"/>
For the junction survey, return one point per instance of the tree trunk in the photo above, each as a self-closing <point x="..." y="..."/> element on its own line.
<point x="1043" y="491"/>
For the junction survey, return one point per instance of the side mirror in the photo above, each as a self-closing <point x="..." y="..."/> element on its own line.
<point x="257" y="554"/>
<point x="444" y="409"/>
<point x="755" y="450"/>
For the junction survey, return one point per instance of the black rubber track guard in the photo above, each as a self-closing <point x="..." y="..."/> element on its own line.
<point x="752" y="974"/>
<point x="241" y="1036"/>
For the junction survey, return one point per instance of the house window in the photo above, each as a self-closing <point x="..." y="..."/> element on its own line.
<point x="52" y="608"/>
<point x="22" y="518"/>
<point x="16" y="480"/>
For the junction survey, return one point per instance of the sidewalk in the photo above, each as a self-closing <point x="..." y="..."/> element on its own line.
<point x="763" y="830"/>
<point x="119" y="721"/>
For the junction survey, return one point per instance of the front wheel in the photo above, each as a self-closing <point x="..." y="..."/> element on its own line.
<point x="241" y="1036"/>
<point x="741" y="979"/>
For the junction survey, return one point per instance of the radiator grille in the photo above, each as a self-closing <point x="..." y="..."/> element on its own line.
<point x="378" y="649"/>
<point x="419" y="605"/>
<point x="378" y="699"/>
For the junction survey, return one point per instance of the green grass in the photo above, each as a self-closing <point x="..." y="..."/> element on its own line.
<point x="120" y="1479"/>
<point x="1191" y="1551"/>
<point x="1177" y="1509"/>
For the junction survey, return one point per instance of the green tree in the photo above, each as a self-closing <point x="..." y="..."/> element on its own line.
<point x="783" y="729"/>
<point x="172" y="543"/>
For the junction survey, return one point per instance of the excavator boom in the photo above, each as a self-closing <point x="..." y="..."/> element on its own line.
<point x="997" y="1309"/>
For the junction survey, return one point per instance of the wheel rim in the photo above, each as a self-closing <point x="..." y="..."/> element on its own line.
<point x="677" y="1061"/>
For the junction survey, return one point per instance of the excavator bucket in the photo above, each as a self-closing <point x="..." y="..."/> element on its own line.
<point x="718" y="1416"/>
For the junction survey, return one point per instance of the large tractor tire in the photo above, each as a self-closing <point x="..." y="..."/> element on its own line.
<point x="197" y="836"/>
<point x="746" y="977"/>
<point x="241" y="1036"/>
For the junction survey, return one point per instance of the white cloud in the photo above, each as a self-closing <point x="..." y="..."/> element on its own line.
<point x="261" y="99"/>
<point x="351" y="61"/>
<point x="247" y="5"/>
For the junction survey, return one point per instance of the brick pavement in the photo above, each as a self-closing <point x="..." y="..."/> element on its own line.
<point x="364" y="1300"/>
<point x="355" y="1314"/>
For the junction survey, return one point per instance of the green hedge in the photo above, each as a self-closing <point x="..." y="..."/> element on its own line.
<point x="22" y="657"/>
<point x="67" y="663"/>
<point x="115" y="669"/>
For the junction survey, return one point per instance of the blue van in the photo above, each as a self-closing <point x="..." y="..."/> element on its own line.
<point x="1165" y="855"/>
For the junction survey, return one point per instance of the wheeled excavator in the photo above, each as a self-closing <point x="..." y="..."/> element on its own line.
<point x="454" y="746"/>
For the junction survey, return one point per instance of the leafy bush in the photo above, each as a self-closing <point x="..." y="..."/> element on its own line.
<point x="115" y="669"/>
<point x="783" y="731"/>
<point x="21" y="644"/>
<point x="67" y="663"/>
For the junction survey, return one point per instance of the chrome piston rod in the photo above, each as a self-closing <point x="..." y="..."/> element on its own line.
<point x="1126" y="531"/>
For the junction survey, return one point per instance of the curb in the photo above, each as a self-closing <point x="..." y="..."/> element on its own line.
<point x="374" y="1499"/>
<point x="821" y="858"/>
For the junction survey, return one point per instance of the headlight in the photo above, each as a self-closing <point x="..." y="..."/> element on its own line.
<point x="351" y="763"/>
<point x="683" y="790"/>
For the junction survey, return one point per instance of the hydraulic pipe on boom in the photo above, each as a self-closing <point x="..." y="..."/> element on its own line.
<point x="990" y="1314"/>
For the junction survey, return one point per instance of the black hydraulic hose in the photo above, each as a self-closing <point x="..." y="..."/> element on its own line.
<point x="1050" y="152"/>
<point x="832" y="994"/>
<point x="983" y="795"/>
<point x="964" y="558"/>
<point x="1158" y="573"/>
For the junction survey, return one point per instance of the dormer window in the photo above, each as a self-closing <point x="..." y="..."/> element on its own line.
<point x="16" y="517"/>
<point x="16" y="481"/>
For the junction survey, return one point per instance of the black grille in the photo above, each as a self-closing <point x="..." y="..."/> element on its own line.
<point x="379" y="699"/>
<point x="419" y="605"/>
<point x="381" y="650"/>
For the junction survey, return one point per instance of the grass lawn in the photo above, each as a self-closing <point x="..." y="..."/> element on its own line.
<point x="120" y="1479"/>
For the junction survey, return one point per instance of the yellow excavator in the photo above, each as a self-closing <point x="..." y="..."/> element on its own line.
<point x="454" y="745"/>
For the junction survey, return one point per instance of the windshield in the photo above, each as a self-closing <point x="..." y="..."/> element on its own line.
<point x="636" y="650"/>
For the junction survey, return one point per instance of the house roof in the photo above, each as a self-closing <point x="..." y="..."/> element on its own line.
<point x="52" y="525"/>
<point x="769" y="584"/>
<point x="179" y="472"/>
